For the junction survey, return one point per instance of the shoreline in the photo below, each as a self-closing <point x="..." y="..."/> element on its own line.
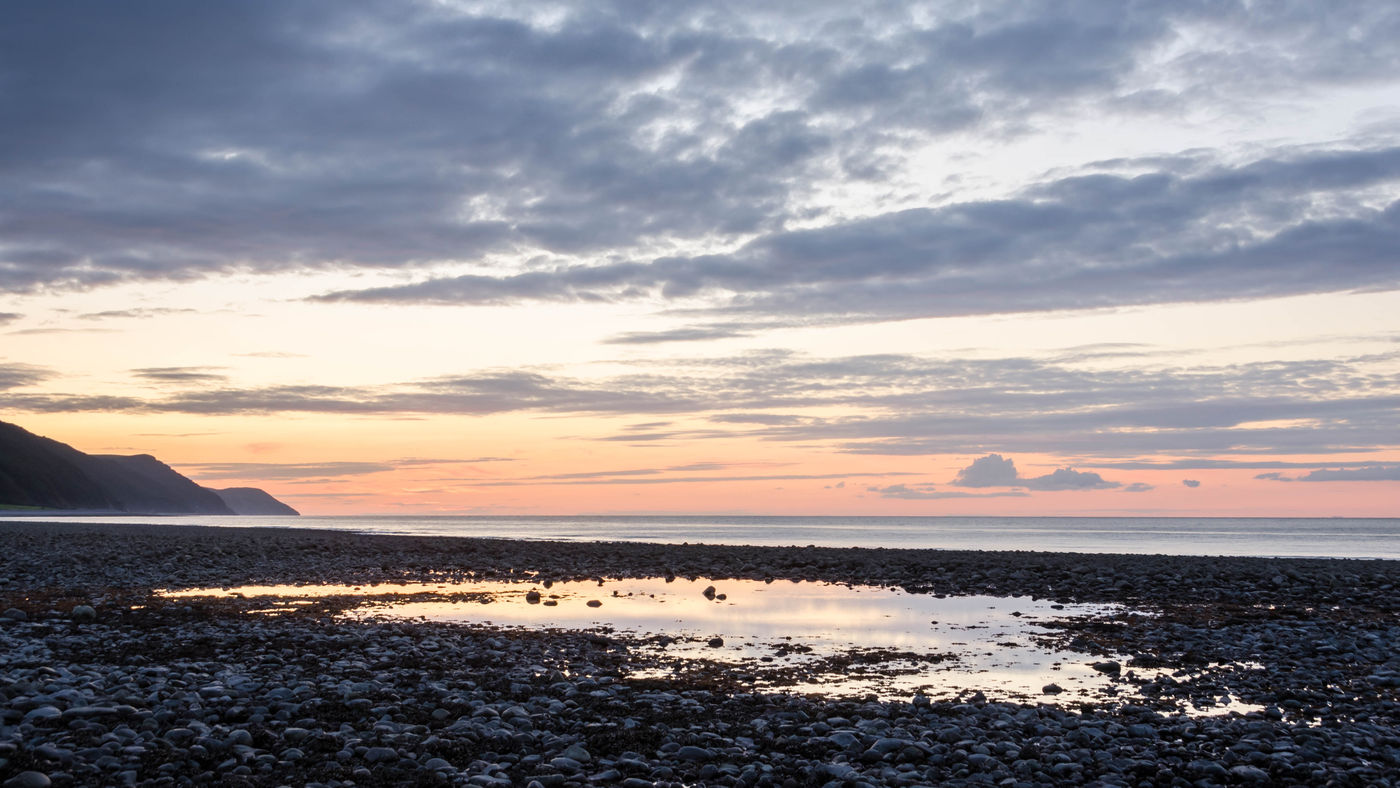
<point x="214" y="555"/>
<point x="105" y="682"/>
<point x="1360" y="538"/>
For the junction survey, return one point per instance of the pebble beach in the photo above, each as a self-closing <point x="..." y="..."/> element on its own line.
<point x="106" y="681"/>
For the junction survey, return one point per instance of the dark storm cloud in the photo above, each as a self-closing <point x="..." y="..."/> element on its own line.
<point x="900" y="405"/>
<point x="172" y="140"/>
<point x="994" y="470"/>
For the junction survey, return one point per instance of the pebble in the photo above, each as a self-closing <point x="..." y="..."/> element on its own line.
<point x="164" y="694"/>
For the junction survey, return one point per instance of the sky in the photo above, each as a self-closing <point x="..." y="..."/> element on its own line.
<point x="899" y="258"/>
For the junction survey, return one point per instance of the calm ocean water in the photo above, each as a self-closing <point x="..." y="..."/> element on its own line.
<point x="1329" y="537"/>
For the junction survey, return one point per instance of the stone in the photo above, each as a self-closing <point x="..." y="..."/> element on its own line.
<point x="29" y="780"/>
<point x="43" y="713"/>
<point x="578" y="753"/>
<point x="1108" y="667"/>
<point x="381" y="754"/>
<point x="438" y="765"/>
<point x="83" y="614"/>
<point x="1052" y="689"/>
<point x="1250" y="773"/>
<point x="15" y="614"/>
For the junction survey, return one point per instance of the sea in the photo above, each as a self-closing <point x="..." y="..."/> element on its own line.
<point x="1223" y="536"/>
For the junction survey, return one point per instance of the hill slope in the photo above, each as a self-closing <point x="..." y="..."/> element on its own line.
<point x="252" y="501"/>
<point x="40" y="472"/>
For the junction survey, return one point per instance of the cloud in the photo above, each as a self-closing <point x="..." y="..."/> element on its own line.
<point x="1082" y="241"/>
<point x="994" y="470"/>
<point x="282" y="471"/>
<point x="14" y="376"/>
<point x="1207" y="463"/>
<point x="1137" y="487"/>
<point x="1375" y="473"/>
<point x="889" y="404"/>
<point x="990" y="471"/>
<point x="755" y="418"/>
<point x="420" y="461"/>
<point x="180" y="375"/>
<point x="1366" y="473"/>
<point x="688" y="334"/>
<point x="606" y="151"/>
<point x="1191" y="482"/>
<point x="926" y="492"/>
<point x="653" y="477"/>
<point x="1069" y="479"/>
<point x="9" y="317"/>
<point x="134" y="314"/>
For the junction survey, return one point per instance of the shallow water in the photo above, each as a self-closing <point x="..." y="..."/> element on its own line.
<point x="802" y="636"/>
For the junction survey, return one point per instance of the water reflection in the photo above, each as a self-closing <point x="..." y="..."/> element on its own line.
<point x="777" y="635"/>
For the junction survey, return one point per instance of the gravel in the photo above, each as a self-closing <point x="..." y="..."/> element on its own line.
<point x="146" y="690"/>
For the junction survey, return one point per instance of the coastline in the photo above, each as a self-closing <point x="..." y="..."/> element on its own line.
<point x="312" y="697"/>
<point x="45" y="554"/>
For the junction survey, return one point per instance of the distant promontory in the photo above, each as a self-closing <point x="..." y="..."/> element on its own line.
<point x="40" y="473"/>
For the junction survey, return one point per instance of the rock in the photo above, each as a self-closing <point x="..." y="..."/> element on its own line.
<point x="844" y="739"/>
<point x="578" y="753"/>
<point x="29" y="780"/>
<point x="1250" y="773"/>
<point x="15" y="614"/>
<point x="594" y="603"/>
<point x="1109" y="667"/>
<point x="532" y="596"/>
<point x="709" y="592"/>
<point x="42" y="713"/>
<point x="83" y="614"/>
<point x="889" y="745"/>
<point x="716" y="642"/>
<point x="1052" y="689"/>
<point x="381" y="754"/>
<point x="438" y="765"/>
<point x="693" y="753"/>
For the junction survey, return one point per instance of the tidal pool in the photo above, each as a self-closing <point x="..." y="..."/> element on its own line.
<point x="799" y="636"/>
